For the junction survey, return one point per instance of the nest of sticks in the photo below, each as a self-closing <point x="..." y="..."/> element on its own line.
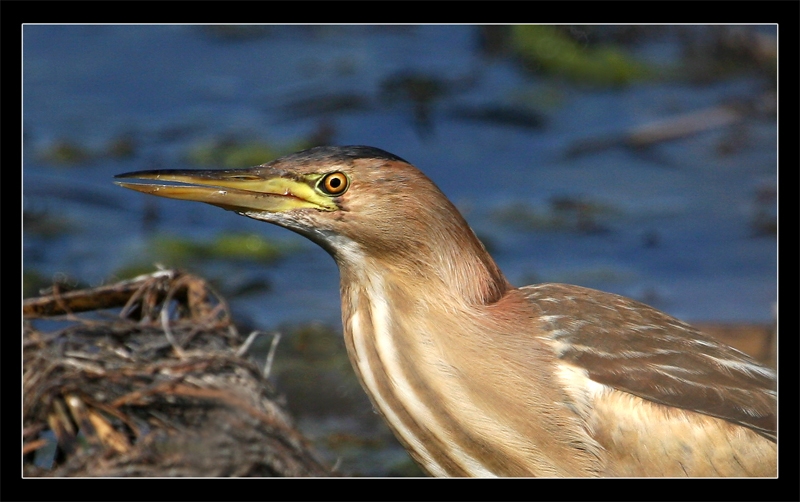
<point x="159" y="386"/>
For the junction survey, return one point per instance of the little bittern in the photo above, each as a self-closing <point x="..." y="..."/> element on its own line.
<point x="477" y="377"/>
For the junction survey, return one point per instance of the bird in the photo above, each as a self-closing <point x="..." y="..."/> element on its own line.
<point x="477" y="377"/>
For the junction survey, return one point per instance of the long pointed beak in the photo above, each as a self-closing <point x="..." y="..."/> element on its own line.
<point x="241" y="190"/>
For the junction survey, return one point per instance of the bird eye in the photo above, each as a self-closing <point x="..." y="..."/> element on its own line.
<point x="334" y="183"/>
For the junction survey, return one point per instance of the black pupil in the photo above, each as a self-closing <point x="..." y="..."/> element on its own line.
<point x="335" y="182"/>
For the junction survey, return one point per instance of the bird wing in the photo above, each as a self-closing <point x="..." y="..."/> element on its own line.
<point x="633" y="347"/>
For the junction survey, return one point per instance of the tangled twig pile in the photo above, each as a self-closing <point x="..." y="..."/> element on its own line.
<point x="162" y="389"/>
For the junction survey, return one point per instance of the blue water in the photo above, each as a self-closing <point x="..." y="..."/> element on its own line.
<point x="90" y="84"/>
<point x="677" y="218"/>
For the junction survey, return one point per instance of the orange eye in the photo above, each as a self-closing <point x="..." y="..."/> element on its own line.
<point x="334" y="183"/>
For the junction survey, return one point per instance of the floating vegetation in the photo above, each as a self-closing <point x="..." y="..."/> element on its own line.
<point x="215" y="257"/>
<point x="721" y="51"/>
<point x="422" y="91"/>
<point x="245" y="247"/>
<point x="502" y="115"/>
<point x="121" y="147"/>
<point x="46" y="223"/>
<point x="549" y="49"/>
<point x="565" y="213"/>
<point x="227" y="246"/>
<point x="327" y="104"/>
<point x="660" y="131"/>
<point x="65" y="152"/>
<point x="237" y="154"/>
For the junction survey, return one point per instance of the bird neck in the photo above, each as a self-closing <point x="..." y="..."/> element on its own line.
<point x="422" y="339"/>
<point x="455" y="268"/>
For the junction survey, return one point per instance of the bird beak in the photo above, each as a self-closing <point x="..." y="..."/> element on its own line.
<point x="240" y="190"/>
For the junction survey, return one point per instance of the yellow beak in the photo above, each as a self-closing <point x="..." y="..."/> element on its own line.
<point x="241" y="190"/>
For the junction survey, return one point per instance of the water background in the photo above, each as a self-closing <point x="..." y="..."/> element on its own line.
<point x="675" y="224"/>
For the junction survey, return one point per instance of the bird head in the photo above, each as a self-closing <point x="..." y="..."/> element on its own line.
<point x="359" y="203"/>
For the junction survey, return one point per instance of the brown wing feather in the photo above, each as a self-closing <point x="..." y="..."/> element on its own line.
<point x="638" y="349"/>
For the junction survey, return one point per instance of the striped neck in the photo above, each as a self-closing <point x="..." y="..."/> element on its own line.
<point x="400" y="374"/>
<point x="414" y="346"/>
